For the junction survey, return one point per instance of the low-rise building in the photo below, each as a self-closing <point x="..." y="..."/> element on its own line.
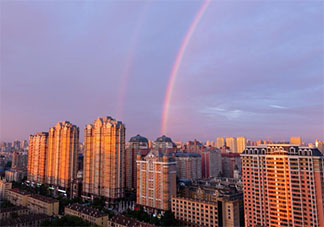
<point x="29" y="220"/>
<point x="123" y="221"/>
<point x="8" y="211"/>
<point x="211" y="205"/>
<point x="89" y="214"/>
<point x="4" y="187"/>
<point x="43" y="205"/>
<point x="18" y="197"/>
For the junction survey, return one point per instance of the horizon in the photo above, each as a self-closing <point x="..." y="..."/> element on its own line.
<point x="252" y="69"/>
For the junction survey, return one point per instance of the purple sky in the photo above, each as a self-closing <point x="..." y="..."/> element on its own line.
<point x="252" y="68"/>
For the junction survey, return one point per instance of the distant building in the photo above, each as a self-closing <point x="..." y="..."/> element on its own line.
<point x="286" y="183"/>
<point x="232" y="144"/>
<point x="19" y="161"/>
<point x="137" y="145"/>
<point x="211" y="163"/>
<point x="320" y="146"/>
<point x="37" y="153"/>
<point x="230" y="163"/>
<point x="220" y="142"/>
<point x="165" y="145"/>
<point x="241" y="144"/>
<point x="296" y="140"/>
<point x="88" y="214"/>
<point x="62" y="155"/>
<point x="194" y="146"/>
<point x="188" y="165"/>
<point x="15" y="175"/>
<point x="104" y="159"/>
<point x="156" y="180"/>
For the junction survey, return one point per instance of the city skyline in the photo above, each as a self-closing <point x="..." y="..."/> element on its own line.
<point x="245" y="68"/>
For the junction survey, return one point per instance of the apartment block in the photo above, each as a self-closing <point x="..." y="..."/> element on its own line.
<point x="188" y="165"/>
<point x="18" y="197"/>
<point x="104" y="159"/>
<point x="211" y="163"/>
<point x="43" y="205"/>
<point x="136" y="145"/>
<point x="283" y="185"/>
<point x="156" y="180"/>
<point x="8" y="211"/>
<point x="208" y="206"/>
<point x="62" y="155"/>
<point x="37" y="153"/>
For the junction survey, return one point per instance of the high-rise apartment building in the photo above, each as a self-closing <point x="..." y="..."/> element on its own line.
<point x="241" y="143"/>
<point x="156" y="180"/>
<point x="19" y="160"/>
<point x="37" y="153"/>
<point x="62" y="155"/>
<point x="211" y="163"/>
<point x="220" y="142"/>
<point x="283" y="185"/>
<point x="104" y="159"/>
<point x="136" y="145"/>
<point x="232" y="144"/>
<point x="296" y="140"/>
<point x="188" y="165"/>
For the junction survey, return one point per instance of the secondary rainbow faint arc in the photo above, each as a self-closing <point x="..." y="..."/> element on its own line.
<point x="177" y="63"/>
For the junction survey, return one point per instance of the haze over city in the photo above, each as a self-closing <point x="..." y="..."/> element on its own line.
<point x="246" y="69"/>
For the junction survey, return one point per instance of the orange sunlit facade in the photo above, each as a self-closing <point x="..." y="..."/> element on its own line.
<point x="37" y="157"/>
<point x="61" y="162"/>
<point x="104" y="159"/>
<point x="283" y="186"/>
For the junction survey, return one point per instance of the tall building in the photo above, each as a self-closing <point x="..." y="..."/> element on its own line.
<point x="188" y="165"/>
<point x="220" y="142"/>
<point x="241" y="143"/>
<point x="320" y="146"/>
<point x="137" y="145"/>
<point x="19" y="161"/>
<point x="104" y="158"/>
<point x="230" y="163"/>
<point x="211" y="163"/>
<point x="231" y="143"/>
<point x="165" y="145"/>
<point x="62" y="155"/>
<point x="283" y="185"/>
<point x="156" y="180"/>
<point x="37" y="153"/>
<point x="296" y="140"/>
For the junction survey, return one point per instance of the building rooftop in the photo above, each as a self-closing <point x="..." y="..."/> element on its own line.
<point x="87" y="210"/>
<point x="23" y="219"/>
<point x="128" y="221"/>
<point x="138" y="139"/>
<point x="44" y="198"/>
<point x="163" y="139"/>
<point x="19" y="191"/>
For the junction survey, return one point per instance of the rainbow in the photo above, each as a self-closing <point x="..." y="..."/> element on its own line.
<point x="177" y="63"/>
<point x="130" y="59"/>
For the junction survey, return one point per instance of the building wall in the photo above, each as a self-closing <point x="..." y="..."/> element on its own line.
<point x="232" y="144"/>
<point x="104" y="158"/>
<point x="4" y="187"/>
<point x="156" y="181"/>
<point x="189" y="167"/>
<point x="61" y="161"/>
<point x="211" y="163"/>
<point x="241" y="144"/>
<point x="283" y="184"/>
<point x="100" y="221"/>
<point x="37" y="153"/>
<point x="38" y="206"/>
<point x="17" y="198"/>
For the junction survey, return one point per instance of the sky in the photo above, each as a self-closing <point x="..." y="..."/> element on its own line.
<point x="251" y="68"/>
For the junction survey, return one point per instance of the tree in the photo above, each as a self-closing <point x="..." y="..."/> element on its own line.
<point x="168" y="219"/>
<point x="66" y="220"/>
